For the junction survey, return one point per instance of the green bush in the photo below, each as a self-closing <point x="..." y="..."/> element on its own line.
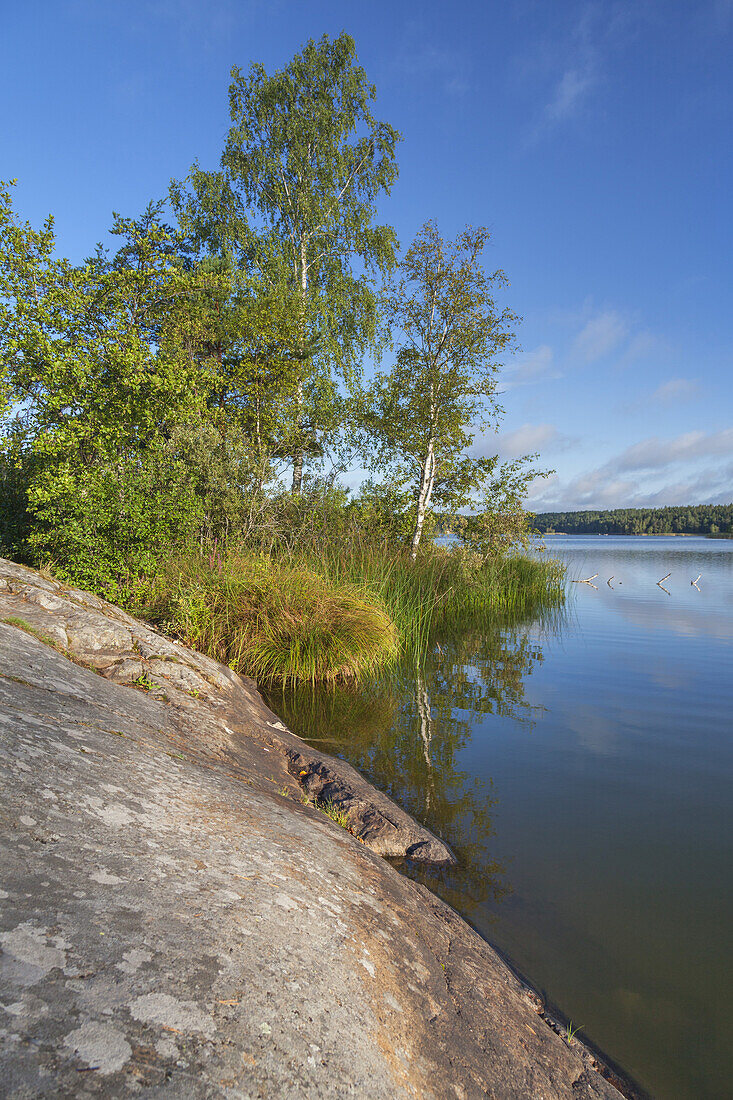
<point x="104" y="525"/>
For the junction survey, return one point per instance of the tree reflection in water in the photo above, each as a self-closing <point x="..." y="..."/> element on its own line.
<point x="405" y="732"/>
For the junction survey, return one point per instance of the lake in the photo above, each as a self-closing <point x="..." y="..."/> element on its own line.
<point x="581" y="768"/>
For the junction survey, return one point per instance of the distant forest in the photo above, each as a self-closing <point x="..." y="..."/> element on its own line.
<point x="698" y="519"/>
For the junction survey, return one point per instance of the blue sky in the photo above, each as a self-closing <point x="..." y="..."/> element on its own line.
<point x="593" y="138"/>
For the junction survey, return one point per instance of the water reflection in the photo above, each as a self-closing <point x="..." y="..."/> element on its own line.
<point x="594" y="760"/>
<point x="406" y="731"/>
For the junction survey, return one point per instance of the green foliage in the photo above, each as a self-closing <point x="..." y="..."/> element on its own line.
<point x="99" y="356"/>
<point x="15" y="519"/>
<point x="100" y="362"/>
<point x="294" y="200"/>
<point x="153" y="397"/>
<point x="385" y="509"/>
<point x="442" y="388"/>
<point x="145" y="683"/>
<point x="104" y="525"/>
<point x="690" y="519"/>
<point x="499" y="522"/>
<point x="253" y="365"/>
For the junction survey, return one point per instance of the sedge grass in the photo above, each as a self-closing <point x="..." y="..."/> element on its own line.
<point x="444" y="588"/>
<point x="272" y="620"/>
<point x="333" y="612"/>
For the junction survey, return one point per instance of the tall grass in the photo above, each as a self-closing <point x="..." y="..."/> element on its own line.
<point x="336" y="611"/>
<point x="444" y="588"/>
<point x="273" y="620"/>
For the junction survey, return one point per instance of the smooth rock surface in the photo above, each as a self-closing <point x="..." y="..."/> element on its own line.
<point x="174" y="922"/>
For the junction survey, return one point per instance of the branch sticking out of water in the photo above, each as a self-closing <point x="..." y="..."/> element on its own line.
<point x="660" y="585"/>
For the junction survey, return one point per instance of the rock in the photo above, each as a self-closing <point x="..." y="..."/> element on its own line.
<point x="171" y="921"/>
<point x="128" y="651"/>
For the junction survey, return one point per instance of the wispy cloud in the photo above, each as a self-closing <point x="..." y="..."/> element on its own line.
<point x="426" y="63"/>
<point x="576" y="71"/>
<point x="677" y="389"/>
<point x="600" y="335"/>
<point x="597" y="331"/>
<point x="627" y="480"/>
<point x="641" y="346"/>
<point x="530" y="438"/>
<point x="655" y="453"/>
<point x="574" y="67"/>
<point x="665" y="395"/>
<point x="574" y="86"/>
<point x="529" y="367"/>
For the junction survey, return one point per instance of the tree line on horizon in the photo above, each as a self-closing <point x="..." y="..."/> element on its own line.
<point x="692" y="519"/>
<point x="203" y="381"/>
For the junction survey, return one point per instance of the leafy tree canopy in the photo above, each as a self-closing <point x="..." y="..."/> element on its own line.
<point x="304" y="164"/>
<point x="450" y="332"/>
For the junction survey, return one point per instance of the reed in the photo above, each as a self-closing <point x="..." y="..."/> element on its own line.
<point x="336" y="612"/>
<point x="443" y="588"/>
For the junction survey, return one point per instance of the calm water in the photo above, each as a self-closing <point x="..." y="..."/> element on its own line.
<point x="582" y="771"/>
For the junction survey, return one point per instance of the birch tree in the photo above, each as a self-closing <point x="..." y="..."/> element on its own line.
<point x="304" y="164"/>
<point x="442" y="389"/>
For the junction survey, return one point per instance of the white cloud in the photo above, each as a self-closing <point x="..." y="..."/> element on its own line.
<point x="600" y="336"/>
<point x="675" y="390"/>
<point x="529" y="367"/>
<point x="712" y="485"/>
<point x="628" y="479"/>
<point x="640" y="346"/>
<point x="655" y="453"/>
<point x="530" y="438"/>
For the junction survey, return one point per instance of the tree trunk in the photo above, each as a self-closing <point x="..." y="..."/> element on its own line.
<point x="297" y="485"/>
<point x="423" y="501"/>
<point x="298" y="454"/>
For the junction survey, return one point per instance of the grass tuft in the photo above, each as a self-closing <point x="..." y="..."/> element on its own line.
<point x="330" y="809"/>
<point x="337" y="612"/>
<point x="272" y="620"/>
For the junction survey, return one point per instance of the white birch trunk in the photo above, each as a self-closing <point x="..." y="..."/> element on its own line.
<point x="427" y="478"/>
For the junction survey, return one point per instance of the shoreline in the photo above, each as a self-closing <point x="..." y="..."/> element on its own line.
<point x="218" y="732"/>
